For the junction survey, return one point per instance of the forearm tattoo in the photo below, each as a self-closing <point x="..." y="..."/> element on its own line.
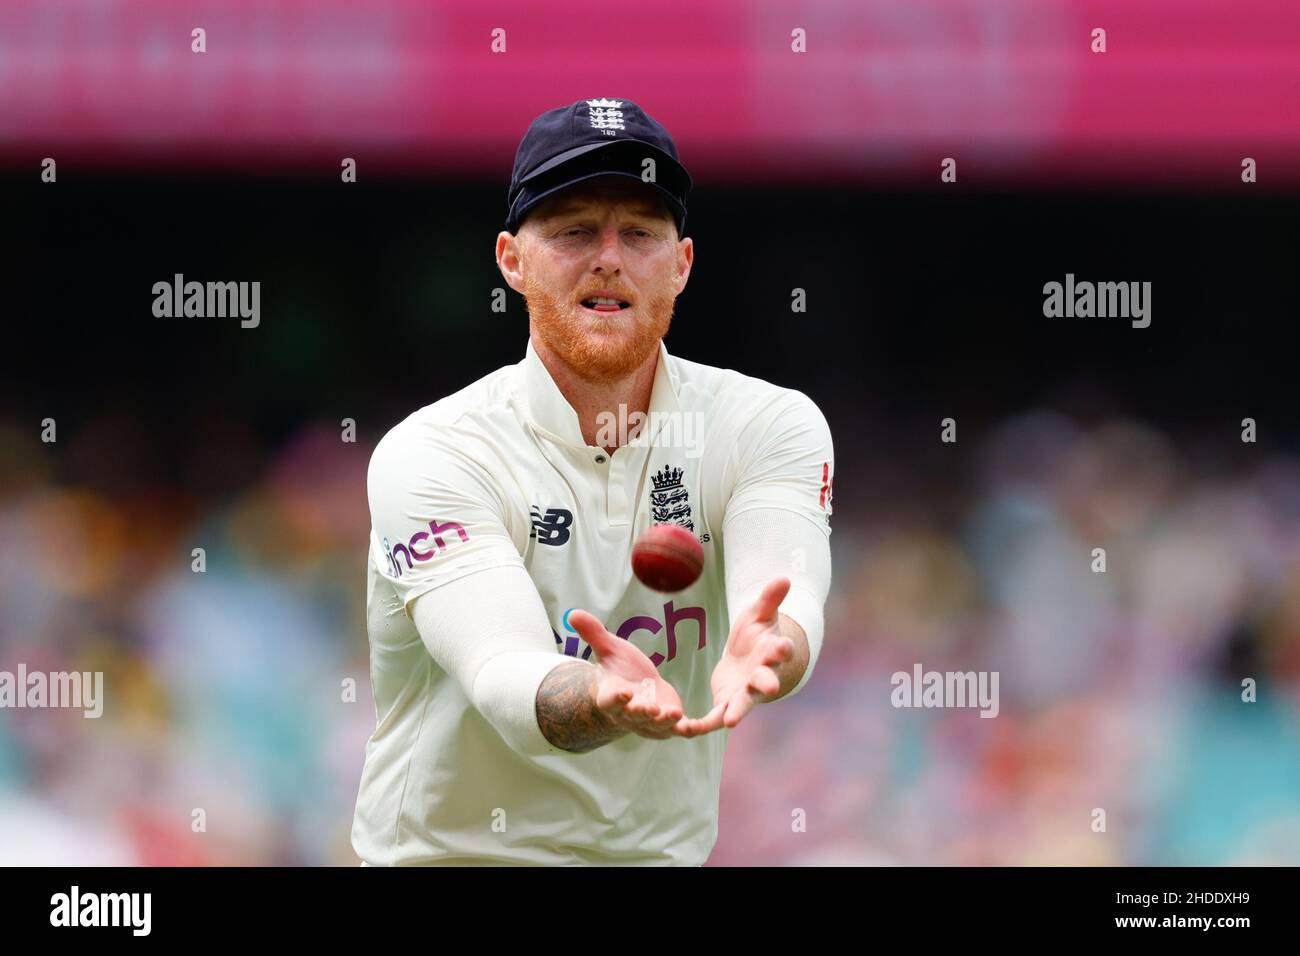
<point x="566" y="710"/>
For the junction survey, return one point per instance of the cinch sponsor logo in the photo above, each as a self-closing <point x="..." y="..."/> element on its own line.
<point x="641" y="622"/>
<point x="417" y="550"/>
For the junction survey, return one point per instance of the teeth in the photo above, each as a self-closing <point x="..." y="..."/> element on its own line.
<point x="602" y="300"/>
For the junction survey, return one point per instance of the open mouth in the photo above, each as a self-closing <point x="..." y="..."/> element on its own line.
<point x="601" y="303"/>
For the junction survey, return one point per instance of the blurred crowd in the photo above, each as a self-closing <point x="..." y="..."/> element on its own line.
<point x="238" y="701"/>
<point x="1121" y="691"/>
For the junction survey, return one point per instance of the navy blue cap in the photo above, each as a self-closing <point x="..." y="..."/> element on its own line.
<point x="600" y="137"/>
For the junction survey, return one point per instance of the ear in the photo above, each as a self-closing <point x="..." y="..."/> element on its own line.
<point x="685" y="259"/>
<point x="509" y="260"/>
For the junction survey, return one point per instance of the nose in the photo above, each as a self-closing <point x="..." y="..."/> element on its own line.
<point x="609" y="255"/>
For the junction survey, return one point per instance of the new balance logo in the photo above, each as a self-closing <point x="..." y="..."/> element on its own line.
<point x="552" y="527"/>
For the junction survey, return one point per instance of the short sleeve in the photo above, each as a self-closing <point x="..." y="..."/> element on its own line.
<point x="785" y="460"/>
<point x="436" y="514"/>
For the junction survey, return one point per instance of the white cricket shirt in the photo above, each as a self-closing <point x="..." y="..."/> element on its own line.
<point x="498" y="475"/>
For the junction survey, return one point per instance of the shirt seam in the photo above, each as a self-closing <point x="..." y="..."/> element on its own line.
<point x="428" y="586"/>
<point x="406" y="775"/>
<point x="789" y="509"/>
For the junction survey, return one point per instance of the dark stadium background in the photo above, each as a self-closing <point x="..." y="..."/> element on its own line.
<point x="377" y="297"/>
<point x="921" y="304"/>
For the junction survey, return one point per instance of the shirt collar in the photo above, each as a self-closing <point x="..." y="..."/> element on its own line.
<point x="544" y="406"/>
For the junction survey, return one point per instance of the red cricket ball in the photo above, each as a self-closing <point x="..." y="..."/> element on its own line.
<point x="667" y="558"/>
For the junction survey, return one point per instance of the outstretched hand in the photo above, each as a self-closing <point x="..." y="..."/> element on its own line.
<point x="745" y="676"/>
<point x="629" y="692"/>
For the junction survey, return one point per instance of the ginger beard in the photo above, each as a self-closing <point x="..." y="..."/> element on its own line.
<point x="598" y="349"/>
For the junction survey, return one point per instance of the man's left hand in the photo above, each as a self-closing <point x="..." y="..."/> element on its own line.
<point x="745" y="675"/>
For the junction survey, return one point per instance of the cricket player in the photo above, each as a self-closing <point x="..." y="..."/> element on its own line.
<point x="535" y="703"/>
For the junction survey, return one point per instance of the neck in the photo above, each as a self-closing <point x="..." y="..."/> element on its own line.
<point x="591" y="399"/>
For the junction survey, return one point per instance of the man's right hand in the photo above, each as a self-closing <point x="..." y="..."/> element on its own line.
<point x="629" y="690"/>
